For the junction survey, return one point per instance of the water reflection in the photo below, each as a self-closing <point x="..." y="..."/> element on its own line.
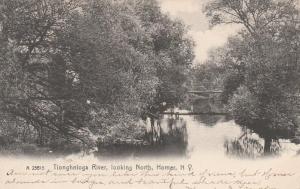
<point x="163" y="137"/>
<point x="218" y="135"/>
<point x="204" y="105"/>
<point x="247" y="147"/>
<point x="244" y="148"/>
<point x="201" y="135"/>
<point x="209" y="140"/>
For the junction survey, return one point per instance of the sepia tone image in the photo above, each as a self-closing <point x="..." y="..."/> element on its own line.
<point x="150" y="78"/>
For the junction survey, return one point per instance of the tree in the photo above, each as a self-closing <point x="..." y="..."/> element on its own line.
<point x="27" y="32"/>
<point x="265" y="59"/>
<point x="87" y="69"/>
<point x="173" y="53"/>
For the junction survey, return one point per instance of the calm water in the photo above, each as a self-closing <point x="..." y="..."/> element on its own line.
<point x="207" y="137"/>
<point x="204" y="135"/>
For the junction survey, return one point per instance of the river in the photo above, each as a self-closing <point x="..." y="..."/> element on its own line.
<point x="198" y="135"/>
<point x="207" y="136"/>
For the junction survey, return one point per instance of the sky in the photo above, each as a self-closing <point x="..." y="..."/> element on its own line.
<point x="191" y="13"/>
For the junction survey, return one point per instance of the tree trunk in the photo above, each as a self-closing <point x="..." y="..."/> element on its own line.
<point x="267" y="146"/>
<point x="152" y="131"/>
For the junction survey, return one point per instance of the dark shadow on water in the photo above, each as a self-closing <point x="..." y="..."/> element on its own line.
<point x="209" y="121"/>
<point x="121" y="150"/>
<point x="205" y="105"/>
<point x="171" y="143"/>
<point x="154" y="143"/>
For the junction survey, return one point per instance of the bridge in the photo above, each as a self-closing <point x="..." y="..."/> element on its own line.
<point x="198" y="92"/>
<point x="194" y="113"/>
<point x="204" y="92"/>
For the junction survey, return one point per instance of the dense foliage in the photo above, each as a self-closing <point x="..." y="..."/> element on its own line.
<point x="261" y="65"/>
<point x="85" y="69"/>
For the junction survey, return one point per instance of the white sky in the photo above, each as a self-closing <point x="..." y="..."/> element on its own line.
<point x="190" y="11"/>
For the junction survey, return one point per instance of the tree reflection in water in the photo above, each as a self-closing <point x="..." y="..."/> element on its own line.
<point x="166" y="136"/>
<point x="248" y="147"/>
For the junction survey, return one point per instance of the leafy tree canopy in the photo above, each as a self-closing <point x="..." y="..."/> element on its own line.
<point x="84" y="68"/>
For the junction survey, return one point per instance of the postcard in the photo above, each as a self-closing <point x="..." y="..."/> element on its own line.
<point x="166" y="94"/>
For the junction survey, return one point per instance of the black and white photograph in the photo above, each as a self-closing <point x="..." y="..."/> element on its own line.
<point x="175" y="94"/>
